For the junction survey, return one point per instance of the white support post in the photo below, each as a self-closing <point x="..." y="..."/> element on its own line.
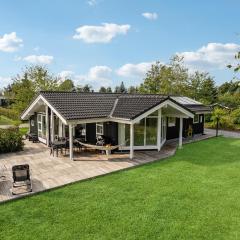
<point x="63" y="130"/>
<point x="52" y="126"/>
<point x="60" y="128"/>
<point x="47" y="125"/>
<point x="131" y="140"/>
<point x="71" y="141"/>
<point x="180" y="132"/>
<point x="159" y="129"/>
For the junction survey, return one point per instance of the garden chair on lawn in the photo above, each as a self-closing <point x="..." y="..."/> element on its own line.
<point x="21" y="179"/>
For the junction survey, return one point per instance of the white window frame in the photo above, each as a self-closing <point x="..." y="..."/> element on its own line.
<point x="201" y="119"/>
<point x="39" y="121"/>
<point x="196" y="115"/>
<point x="172" y="124"/>
<point x="98" y="124"/>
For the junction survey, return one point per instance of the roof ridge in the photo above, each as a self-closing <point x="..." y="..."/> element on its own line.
<point x="114" y="107"/>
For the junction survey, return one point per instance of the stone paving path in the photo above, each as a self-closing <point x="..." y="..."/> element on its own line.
<point x="233" y="134"/>
<point x="49" y="172"/>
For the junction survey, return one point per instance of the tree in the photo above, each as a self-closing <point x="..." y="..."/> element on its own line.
<point x="235" y="67"/>
<point x="66" y="85"/>
<point x="132" y="89"/>
<point x="109" y="90"/>
<point x="121" y="88"/>
<point x="208" y="91"/>
<point x="102" y="90"/>
<point x="26" y="85"/>
<point x="85" y="88"/>
<point x="166" y="79"/>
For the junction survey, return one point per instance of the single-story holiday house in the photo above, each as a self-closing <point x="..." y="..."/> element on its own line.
<point x="131" y="121"/>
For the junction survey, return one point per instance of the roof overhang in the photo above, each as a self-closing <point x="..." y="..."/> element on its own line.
<point x="40" y="100"/>
<point x="185" y="113"/>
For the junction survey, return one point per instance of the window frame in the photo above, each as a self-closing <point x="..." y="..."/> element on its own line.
<point x="196" y="115"/>
<point x="99" y="124"/>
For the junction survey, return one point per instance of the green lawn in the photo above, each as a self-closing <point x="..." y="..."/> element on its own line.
<point x="193" y="195"/>
<point x="5" y="121"/>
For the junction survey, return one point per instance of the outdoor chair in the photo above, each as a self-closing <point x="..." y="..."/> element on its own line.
<point x="32" y="137"/>
<point x="21" y="179"/>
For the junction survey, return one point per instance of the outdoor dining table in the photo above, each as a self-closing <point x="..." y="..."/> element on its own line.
<point x="58" y="145"/>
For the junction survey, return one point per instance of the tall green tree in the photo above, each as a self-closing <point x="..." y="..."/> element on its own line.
<point x="85" y="88"/>
<point x="133" y="89"/>
<point x="109" y="90"/>
<point x="26" y="85"/>
<point x="121" y="88"/>
<point x="166" y="79"/>
<point x="102" y="90"/>
<point x="67" y="85"/>
<point x="202" y="87"/>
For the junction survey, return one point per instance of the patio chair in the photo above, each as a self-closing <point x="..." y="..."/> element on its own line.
<point x="21" y="179"/>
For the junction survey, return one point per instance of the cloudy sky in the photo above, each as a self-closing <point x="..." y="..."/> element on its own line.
<point x="104" y="42"/>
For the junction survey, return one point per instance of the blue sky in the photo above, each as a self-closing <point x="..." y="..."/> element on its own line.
<point x="103" y="42"/>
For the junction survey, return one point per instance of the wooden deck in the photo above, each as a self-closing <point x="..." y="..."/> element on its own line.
<point x="49" y="172"/>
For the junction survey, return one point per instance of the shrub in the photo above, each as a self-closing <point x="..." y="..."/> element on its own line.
<point x="235" y="115"/>
<point x="224" y="119"/>
<point x="10" y="140"/>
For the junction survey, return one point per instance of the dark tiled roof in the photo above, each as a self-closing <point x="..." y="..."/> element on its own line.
<point x="131" y="106"/>
<point x="198" y="108"/>
<point x="72" y="105"/>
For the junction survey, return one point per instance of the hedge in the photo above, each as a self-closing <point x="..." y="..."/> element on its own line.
<point x="10" y="140"/>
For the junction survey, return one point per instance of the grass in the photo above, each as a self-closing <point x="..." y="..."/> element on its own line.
<point x="192" y="195"/>
<point x="23" y="130"/>
<point x="5" y="121"/>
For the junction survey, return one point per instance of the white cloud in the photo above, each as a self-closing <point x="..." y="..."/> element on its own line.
<point x="97" y="76"/>
<point x="150" y="16"/>
<point x="100" y="34"/>
<point x="38" y="59"/>
<point x="4" y="81"/>
<point x="134" y="70"/>
<point x="10" y="42"/>
<point x="211" y="56"/>
<point x="66" y="74"/>
<point x="92" y="2"/>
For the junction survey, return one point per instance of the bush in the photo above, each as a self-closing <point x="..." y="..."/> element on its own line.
<point x="235" y="115"/>
<point x="10" y="140"/>
<point x="9" y="113"/>
<point x="224" y="119"/>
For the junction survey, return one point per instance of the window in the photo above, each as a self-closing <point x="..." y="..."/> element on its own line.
<point x="139" y="133"/>
<point x="151" y="131"/>
<point x="171" y="122"/>
<point x="145" y="132"/>
<point x="196" y="118"/>
<point x="201" y="119"/>
<point x="41" y="118"/>
<point x="99" y="129"/>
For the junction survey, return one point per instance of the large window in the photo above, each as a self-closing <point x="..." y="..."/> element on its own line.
<point x="145" y="132"/>
<point x="139" y="133"/>
<point x="151" y="131"/>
